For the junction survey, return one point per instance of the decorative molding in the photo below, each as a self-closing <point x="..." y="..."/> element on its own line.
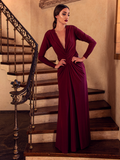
<point x="50" y="3"/>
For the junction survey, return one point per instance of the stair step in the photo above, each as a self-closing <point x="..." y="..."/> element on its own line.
<point x="44" y="82"/>
<point x="96" y="124"/>
<point x="8" y="38"/>
<point x="21" y="62"/>
<point x="49" y="95"/>
<point x="103" y="124"/>
<point x="93" y="105"/>
<point x="17" y="53"/>
<point x="97" y="149"/>
<point x="12" y="63"/>
<point x="17" y="45"/>
<point x="39" y="71"/>
<point x="99" y="105"/>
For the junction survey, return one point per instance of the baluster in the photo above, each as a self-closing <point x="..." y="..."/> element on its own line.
<point x="14" y="50"/>
<point x="32" y="52"/>
<point x="7" y="39"/>
<point x="31" y="147"/>
<point x="33" y="98"/>
<point x="0" y="31"/>
<point x="35" y="109"/>
<point x="35" y="84"/>
<point x="23" y="59"/>
<point x="16" y="156"/>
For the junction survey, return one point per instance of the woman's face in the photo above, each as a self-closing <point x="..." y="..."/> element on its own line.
<point x="63" y="16"/>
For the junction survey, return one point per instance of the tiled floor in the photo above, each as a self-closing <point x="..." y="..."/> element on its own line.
<point x="6" y="133"/>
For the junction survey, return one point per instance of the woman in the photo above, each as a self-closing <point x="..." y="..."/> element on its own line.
<point x="73" y="130"/>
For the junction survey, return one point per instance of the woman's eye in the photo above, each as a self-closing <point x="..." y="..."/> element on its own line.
<point x="63" y="14"/>
<point x="68" y="14"/>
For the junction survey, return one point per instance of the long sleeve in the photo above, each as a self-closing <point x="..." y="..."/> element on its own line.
<point x="84" y="37"/>
<point x="44" y="47"/>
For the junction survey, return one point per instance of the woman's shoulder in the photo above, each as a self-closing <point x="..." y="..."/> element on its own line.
<point x="69" y="26"/>
<point x="49" y="32"/>
<point x="72" y="27"/>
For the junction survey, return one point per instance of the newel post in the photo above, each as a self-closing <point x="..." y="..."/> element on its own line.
<point x="16" y="85"/>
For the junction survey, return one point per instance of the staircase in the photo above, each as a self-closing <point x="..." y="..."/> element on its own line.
<point x="104" y="131"/>
<point x="42" y="131"/>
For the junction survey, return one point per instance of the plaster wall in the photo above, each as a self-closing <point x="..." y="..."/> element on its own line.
<point x="117" y="72"/>
<point x="97" y="19"/>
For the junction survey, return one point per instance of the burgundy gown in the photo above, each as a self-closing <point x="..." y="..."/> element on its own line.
<point x="73" y="129"/>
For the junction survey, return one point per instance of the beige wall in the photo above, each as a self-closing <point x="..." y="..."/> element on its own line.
<point x="117" y="73"/>
<point x="94" y="17"/>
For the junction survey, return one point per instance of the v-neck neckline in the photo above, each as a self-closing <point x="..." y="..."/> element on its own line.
<point x="59" y="39"/>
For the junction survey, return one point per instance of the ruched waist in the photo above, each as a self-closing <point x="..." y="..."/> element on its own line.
<point x="68" y="60"/>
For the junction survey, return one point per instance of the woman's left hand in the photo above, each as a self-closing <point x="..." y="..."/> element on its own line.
<point x="77" y="59"/>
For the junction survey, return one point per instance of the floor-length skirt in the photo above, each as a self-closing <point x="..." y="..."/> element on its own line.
<point x="73" y="128"/>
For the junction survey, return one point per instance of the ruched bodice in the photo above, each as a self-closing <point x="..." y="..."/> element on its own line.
<point x="72" y="34"/>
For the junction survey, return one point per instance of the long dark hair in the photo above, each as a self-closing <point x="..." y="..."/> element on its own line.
<point x="57" y="10"/>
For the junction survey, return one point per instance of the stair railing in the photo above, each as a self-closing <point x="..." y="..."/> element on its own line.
<point x="19" y="97"/>
<point x="15" y="50"/>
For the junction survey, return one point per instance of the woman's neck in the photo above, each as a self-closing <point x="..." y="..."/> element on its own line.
<point x="60" y="27"/>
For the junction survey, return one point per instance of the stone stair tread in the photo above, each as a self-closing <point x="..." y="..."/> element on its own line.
<point x="93" y="105"/>
<point x="97" y="149"/>
<point x="96" y="124"/>
<point x="48" y="95"/>
<point x="26" y="72"/>
<point x="20" y="62"/>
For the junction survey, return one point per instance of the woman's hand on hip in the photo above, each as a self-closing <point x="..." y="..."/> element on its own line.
<point x="77" y="59"/>
<point x="61" y="63"/>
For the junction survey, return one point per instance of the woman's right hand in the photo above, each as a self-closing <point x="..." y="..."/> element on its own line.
<point x="61" y="63"/>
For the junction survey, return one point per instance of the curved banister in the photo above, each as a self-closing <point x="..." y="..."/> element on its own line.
<point x="24" y="94"/>
<point x="18" y="26"/>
